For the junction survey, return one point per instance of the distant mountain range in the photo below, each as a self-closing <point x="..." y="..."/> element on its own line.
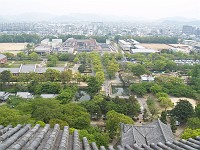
<point x="44" y="17"/>
<point x="179" y="21"/>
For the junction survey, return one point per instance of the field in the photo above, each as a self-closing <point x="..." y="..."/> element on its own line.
<point x="156" y="46"/>
<point x="12" y="47"/>
<point x="192" y="101"/>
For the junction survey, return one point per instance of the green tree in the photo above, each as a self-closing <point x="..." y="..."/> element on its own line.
<point x="24" y="77"/>
<point x="45" y="109"/>
<point x="6" y="76"/>
<point x="53" y="59"/>
<point x="52" y="75"/>
<point x="138" y="89"/>
<point x="183" y="110"/>
<point x="193" y="123"/>
<point x="173" y="124"/>
<point x="67" y="95"/>
<point x="93" y="108"/>
<point x="21" y="56"/>
<point x="163" y="117"/>
<point x="34" y="56"/>
<point x="156" y="88"/>
<point x="112" y="68"/>
<point x="197" y="110"/>
<point x="66" y="76"/>
<point x="76" y="116"/>
<point x="76" y="60"/>
<point x="113" y="122"/>
<point x="139" y="69"/>
<point x="48" y="88"/>
<point x="162" y="94"/>
<point x="13" y="117"/>
<point x="93" y="86"/>
<point x="159" y="65"/>
<point x="152" y="106"/>
<point x="145" y="114"/>
<point x="10" y="56"/>
<point x="100" y="76"/>
<point x="189" y="133"/>
<point x="62" y="123"/>
<point x="82" y="68"/>
<point x="41" y="123"/>
<point x="165" y="102"/>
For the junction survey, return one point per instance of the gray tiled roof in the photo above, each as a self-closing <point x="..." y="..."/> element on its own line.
<point x="12" y="70"/>
<point x="24" y="94"/>
<point x="2" y="56"/>
<point x="27" y="68"/>
<point x="48" y="95"/>
<point x="154" y="132"/>
<point x="38" y="138"/>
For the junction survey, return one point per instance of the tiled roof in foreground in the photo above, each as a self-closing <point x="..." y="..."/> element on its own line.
<point x="37" y="138"/>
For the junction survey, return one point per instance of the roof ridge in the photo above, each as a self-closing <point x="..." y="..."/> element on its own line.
<point x="159" y="123"/>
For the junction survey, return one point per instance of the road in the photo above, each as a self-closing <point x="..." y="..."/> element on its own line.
<point x="143" y="104"/>
<point x="3" y="103"/>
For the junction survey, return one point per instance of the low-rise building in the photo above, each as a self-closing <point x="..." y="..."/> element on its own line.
<point x="4" y="95"/>
<point x="24" y="95"/>
<point x="155" y="132"/>
<point x="147" y="78"/>
<point x="49" y="95"/>
<point x="87" y="45"/>
<point x="43" y="50"/>
<point x="45" y="42"/>
<point x="66" y="50"/>
<point x="3" y="59"/>
<point x="147" y="51"/>
<point x="126" y="46"/>
<point x="56" y="42"/>
<point x="31" y="68"/>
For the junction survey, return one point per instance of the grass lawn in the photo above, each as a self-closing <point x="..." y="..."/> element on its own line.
<point x="16" y="64"/>
<point x="61" y="63"/>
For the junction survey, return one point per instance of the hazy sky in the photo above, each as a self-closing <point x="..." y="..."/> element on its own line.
<point x="152" y="9"/>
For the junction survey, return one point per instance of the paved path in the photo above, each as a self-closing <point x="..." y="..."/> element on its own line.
<point x="1" y="104"/>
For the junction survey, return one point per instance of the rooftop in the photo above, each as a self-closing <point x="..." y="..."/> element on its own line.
<point x="2" y="56"/>
<point x="144" y="51"/>
<point x="38" y="138"/>
<point x="154" y="132"/>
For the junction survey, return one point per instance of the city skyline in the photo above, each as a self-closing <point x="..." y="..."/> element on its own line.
<point x="143" y="9"/>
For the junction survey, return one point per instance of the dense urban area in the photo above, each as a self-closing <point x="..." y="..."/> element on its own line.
<point x="98" y="78"/>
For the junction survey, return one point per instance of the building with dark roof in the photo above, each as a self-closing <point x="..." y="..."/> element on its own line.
<point x="154" y="132"/>
<point x="38" y="138"/>
<point x="3" y="59"/>
<point x="28" y="68"/>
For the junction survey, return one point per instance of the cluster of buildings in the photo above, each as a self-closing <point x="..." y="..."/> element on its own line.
<point x="71" y="45"/>
<point x="153" y="136"/>
<point x="134" y="46"/>
<point x="189" y="30"/>
<point x="88" y="28"/>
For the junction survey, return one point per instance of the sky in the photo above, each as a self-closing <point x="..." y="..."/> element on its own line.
<point x="151" y="9"/>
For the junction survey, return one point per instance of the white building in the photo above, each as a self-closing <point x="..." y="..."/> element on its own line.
<point x="139" y="47"/>
<point x="133" y="51"/>
<point x="43" y="50"/>
<point x="134" y="42"/>
<point x="45" y="42"/>
<point x="126" y="46"/>
<point x="56" y="42"/>
<point x="66" y="50"/>
<point x="147" y="78"/>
